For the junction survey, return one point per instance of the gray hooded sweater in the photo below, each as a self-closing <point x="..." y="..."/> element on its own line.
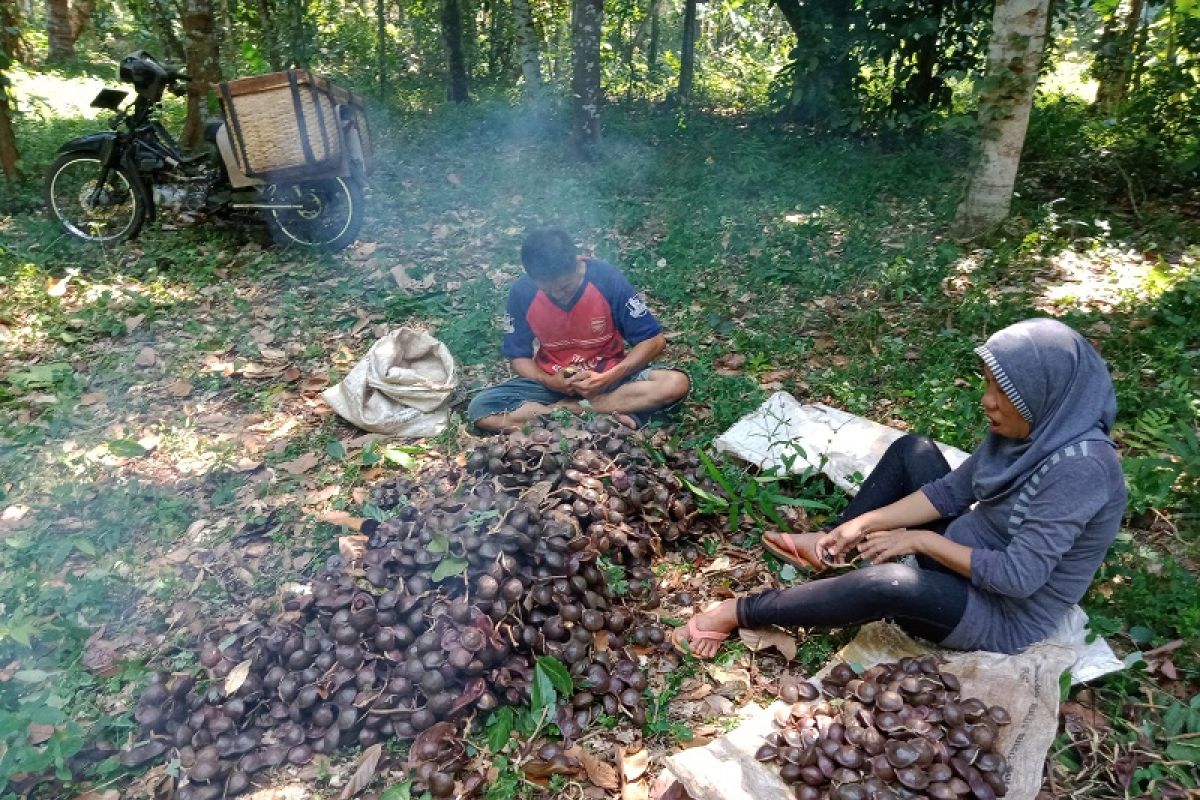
<point x="1047" y="507"/>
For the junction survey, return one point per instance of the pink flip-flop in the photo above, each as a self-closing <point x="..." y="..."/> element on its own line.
<point x="695" y="634"/>
<point x="789" y="553"/>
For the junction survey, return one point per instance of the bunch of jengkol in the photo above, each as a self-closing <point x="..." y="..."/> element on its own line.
<point x="535" y="548"/>
<point x="898" y="730"/>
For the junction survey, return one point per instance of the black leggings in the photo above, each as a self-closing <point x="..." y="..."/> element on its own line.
<point x="927" y="600"/>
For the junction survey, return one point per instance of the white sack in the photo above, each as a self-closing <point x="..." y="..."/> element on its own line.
<point x="400" y="388"/>
<point x="785" y="434"/>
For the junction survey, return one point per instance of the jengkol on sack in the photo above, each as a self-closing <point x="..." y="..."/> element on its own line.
<point x="400" y="388"/>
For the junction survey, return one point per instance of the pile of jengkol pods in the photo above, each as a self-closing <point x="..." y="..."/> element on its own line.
<point x="898" y="730"/>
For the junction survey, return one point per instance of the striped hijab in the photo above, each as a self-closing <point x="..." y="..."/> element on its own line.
<point x="1059" y="384"/>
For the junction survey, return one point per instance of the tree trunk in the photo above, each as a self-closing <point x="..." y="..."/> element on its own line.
<point x="58" y="30"/>
<point x="203" y="65"/>
<point x="687" y="52"/>
<point x="10" y="27"/>
<point x="529" y="48"/>
<point x="652" y="50"/>
<point x="81" y="15"/>
<point x="381" y="45"/>
<point x="586" y="19"/>
<point x="456" y="60"/>
<point x="1014" y="56"/>
<point x="1114" y="62"/>
<point x="271" y="36"/>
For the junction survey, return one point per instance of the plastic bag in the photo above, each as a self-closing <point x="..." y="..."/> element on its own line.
<point x="400" y="388"/>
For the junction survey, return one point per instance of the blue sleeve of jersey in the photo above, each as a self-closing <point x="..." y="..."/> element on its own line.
<point x="631" y="315"/>
<point x="518" y="336"/>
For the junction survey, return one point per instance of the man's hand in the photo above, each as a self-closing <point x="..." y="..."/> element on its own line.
<point x="881" y="546"/>
<point x="555" y="382"/>
<point x="588" y="384"/>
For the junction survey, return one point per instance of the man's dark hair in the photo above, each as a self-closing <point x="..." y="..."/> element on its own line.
<point x="548" y="253"/>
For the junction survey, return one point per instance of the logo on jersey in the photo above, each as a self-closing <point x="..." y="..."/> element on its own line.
<point x="637" y="306"/>
<point x="509" y="324"/>
<point x="599" y="324"/>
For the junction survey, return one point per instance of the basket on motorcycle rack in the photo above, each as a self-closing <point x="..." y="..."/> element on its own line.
<point x="290" y="124"/>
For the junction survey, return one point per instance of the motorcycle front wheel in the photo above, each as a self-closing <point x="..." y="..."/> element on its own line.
<point x="105" y="214"/>
<point x="326" y="213"/>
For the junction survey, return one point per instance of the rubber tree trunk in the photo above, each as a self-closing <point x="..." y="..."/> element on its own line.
<point x="456" y="59"/>
<point x="10" y="27"/>
<point x="203" y="65"/>
<point x="1115" y="61"/>
<point x="80" y="16"/>
<point x="652" y="50"/>
<point x="1014" y="56"/>
<point x="586" y="19"/>
<point x="528" y="48"/>
<point x="687" y="52"/>
<point x="266" y="18"/>
<point x="58" y="30"/>
<point x="381" y="45"/>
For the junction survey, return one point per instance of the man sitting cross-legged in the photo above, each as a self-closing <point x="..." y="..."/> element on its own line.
<point x="582" y="312"/>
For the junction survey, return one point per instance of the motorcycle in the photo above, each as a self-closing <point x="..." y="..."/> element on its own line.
<point x="103" y="187"/>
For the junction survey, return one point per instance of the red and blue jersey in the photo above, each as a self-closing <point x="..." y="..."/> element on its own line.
<point x="590" y="332"/>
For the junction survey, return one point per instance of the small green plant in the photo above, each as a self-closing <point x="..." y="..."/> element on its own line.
<point x="742" y="495"/>
<point x="614" y="576"/>
<point x="1166" y="474"/>
<point x="658" y="705"/>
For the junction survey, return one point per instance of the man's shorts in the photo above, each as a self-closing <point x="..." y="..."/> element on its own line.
<point x="512" y="394"/>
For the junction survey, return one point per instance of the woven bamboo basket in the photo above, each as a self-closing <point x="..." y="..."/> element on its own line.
<point x="289" y="124"/>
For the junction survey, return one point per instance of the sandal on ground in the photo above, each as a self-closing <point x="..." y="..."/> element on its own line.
<point x="695" y="634"/>
<point x="788" y="553"/>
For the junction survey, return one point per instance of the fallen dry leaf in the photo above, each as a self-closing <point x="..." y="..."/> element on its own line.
<point x="300" y="465"/>
<point x="718" y="564"/>
<point x="109" y="794"/>
<point x="291" y="374"/>
<point x="407" y="284"/>
<point x="694" y="690"/>
<point x="729" y="681"/>
<point x="146" y="357"/>
<point x="364" y="772"/>
<point x="39" y="733"/>
<point x="769" y="637"/>
<point x="92" y="398"/>
<point x="720" y="706"/>
<point x="634" y="765"/>
<point x="600" y="773"/>
<point x="321" y="495"/>
<point x="180" y="388"/>
<point x="236" y="677"/>
<point x="353" y="547"/>
<point x="343" y="518"/>
<point x="131" y="323"/>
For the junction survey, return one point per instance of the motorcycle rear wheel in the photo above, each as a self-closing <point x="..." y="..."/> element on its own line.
<point x="114" y="214"/>
<point x="329" y="216"/>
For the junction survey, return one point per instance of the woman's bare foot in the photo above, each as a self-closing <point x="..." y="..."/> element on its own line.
<point x="797" y="549"/>
<point x="706" y="630"/>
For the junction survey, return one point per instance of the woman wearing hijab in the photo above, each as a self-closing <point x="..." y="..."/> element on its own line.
<point x="1005" y="544"/>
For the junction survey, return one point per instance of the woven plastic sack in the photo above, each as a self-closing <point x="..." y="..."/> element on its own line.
<point x="400" y="388"/>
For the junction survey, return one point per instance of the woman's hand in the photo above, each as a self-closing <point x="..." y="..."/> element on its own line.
<point x="881" y="546"/>
<point x="841" y="540"/>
